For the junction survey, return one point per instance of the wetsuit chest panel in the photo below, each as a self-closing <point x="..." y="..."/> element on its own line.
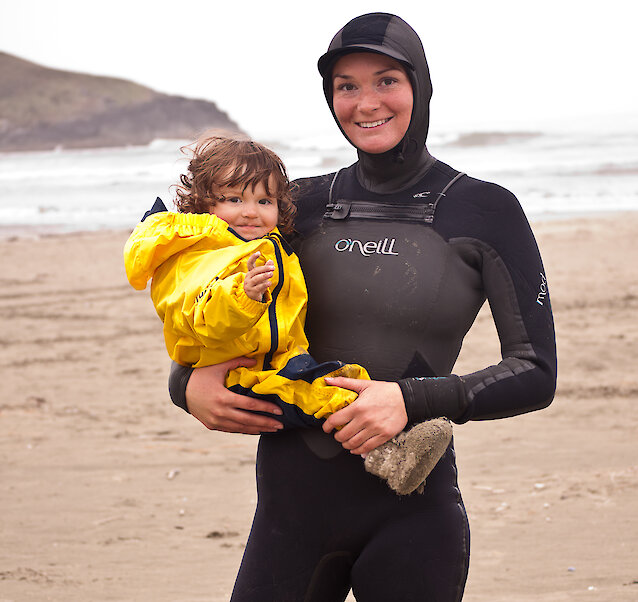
<point x="381" y="291"/>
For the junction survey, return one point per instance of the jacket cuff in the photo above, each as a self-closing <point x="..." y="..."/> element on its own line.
<point x="427" y="398"/>
<point x="177" y="381"/>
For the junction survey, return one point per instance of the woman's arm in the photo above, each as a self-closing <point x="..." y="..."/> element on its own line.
<point x="516" y="287"/>
<point x="201" y="392"/>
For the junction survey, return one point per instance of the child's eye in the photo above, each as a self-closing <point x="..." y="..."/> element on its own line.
<point x="265" y="202"/>
<point x="233" y="199"/>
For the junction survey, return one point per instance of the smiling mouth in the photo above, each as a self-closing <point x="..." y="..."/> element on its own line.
<point x="372" y="124"/>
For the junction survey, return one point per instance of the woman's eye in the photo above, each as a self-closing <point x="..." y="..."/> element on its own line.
<point x="388" y="81"/>
<point x="346" y="87"/>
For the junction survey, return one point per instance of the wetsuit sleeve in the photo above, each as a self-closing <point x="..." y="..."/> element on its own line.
<point x="516" y="288"/>
<point x="177" y="381"/>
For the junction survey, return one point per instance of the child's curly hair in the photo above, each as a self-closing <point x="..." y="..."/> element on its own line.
<point x="218" y="161"/>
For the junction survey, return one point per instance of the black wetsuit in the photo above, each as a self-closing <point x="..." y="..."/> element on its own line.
<point x="396" y="273"/>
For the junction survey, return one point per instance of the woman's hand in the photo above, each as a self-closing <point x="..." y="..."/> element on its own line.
<point x="219" y="409"/>
<point x="377" y="415"/>
<point x="258" y="279"/>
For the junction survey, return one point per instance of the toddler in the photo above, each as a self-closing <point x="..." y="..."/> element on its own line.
<point x="226" y="284"/>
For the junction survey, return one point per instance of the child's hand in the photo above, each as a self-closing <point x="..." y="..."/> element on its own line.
<point x="258" y="278"/>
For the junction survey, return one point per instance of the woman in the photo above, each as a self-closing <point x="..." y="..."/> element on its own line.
<point x="399" y="252"/>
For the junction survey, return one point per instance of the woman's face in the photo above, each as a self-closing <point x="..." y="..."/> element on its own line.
<point x="372" y="99"/>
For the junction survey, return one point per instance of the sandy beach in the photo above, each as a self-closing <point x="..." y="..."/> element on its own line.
<point x="109" y="492"/>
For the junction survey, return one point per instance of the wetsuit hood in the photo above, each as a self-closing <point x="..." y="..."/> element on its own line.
<point x="387" y="34"/>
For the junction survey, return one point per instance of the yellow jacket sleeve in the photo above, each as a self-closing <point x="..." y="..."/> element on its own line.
<point x="198" y="309"/>
<point x="198" y="271"/>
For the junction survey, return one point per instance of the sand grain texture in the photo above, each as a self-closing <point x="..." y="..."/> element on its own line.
<point x="111" y="493"/>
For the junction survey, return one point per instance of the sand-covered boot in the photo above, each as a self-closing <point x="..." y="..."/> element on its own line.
<point x="407" y="459"/>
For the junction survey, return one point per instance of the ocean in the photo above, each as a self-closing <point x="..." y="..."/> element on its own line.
<point x="553" y="174"/>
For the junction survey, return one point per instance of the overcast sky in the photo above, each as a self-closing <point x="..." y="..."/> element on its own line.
<point x="495" y="64"/>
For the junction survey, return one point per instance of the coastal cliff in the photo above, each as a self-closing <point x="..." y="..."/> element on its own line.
<point x="44" y="109"/>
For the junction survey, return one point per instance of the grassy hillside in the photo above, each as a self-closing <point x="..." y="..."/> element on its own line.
<point x="42" y="108"/>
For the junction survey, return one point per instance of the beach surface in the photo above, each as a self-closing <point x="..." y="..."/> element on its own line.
<point x="109" y="492"/>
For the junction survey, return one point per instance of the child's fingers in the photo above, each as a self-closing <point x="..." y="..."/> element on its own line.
<point x="258" y="279"/>
<point x="261" y="281"/>
<point x="252" y="260"/>
<point x="261" y="270"/>
<point x="261" y="289"/>
<point x="257" y="282"/>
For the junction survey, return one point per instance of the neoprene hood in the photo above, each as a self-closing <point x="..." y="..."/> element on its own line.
<point x="390" y="35"/>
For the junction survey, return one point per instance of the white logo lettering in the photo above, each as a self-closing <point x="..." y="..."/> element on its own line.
<point x="384" y="246"/>
<point x="543" y="290"/>
<point x="343" y="244"/>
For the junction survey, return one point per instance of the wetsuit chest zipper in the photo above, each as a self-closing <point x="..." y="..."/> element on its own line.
<point x="412" y="212"/>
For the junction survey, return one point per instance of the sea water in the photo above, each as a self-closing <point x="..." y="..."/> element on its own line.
<point x="553" y="174"/>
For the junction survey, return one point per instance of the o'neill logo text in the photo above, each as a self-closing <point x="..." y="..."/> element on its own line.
<point x="543" y="290"/>
<point x="371" y="247"/>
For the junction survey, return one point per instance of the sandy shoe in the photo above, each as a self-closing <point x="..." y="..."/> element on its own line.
<point x="407" y="459"/>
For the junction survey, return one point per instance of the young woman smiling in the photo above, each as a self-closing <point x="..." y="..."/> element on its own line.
<point x="372" y="100"/>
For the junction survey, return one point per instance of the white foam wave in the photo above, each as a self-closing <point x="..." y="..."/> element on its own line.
<point x="556" y="173"/>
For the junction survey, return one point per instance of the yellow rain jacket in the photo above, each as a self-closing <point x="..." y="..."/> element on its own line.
<point x="197" y="265"/>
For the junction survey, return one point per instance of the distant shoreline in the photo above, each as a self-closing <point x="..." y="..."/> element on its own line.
<point x="89" y="190"/>
<point x="9" y="232"/>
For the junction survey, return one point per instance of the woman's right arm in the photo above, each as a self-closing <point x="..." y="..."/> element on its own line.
<point x="201" y="392"/>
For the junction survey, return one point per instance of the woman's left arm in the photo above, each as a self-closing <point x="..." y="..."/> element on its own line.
<point x="516" y="286"/>
<point x="525" y="380"/>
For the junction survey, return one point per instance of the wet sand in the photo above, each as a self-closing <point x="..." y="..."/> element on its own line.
<point x="109" y="492"/>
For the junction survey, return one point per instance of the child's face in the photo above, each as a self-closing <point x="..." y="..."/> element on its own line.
<point x="251" y="212"/>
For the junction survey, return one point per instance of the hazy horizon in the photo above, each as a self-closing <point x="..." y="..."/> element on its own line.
<point x="495" y="65"/>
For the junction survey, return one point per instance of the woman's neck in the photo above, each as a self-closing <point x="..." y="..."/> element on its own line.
<point x="392" y="171"/>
